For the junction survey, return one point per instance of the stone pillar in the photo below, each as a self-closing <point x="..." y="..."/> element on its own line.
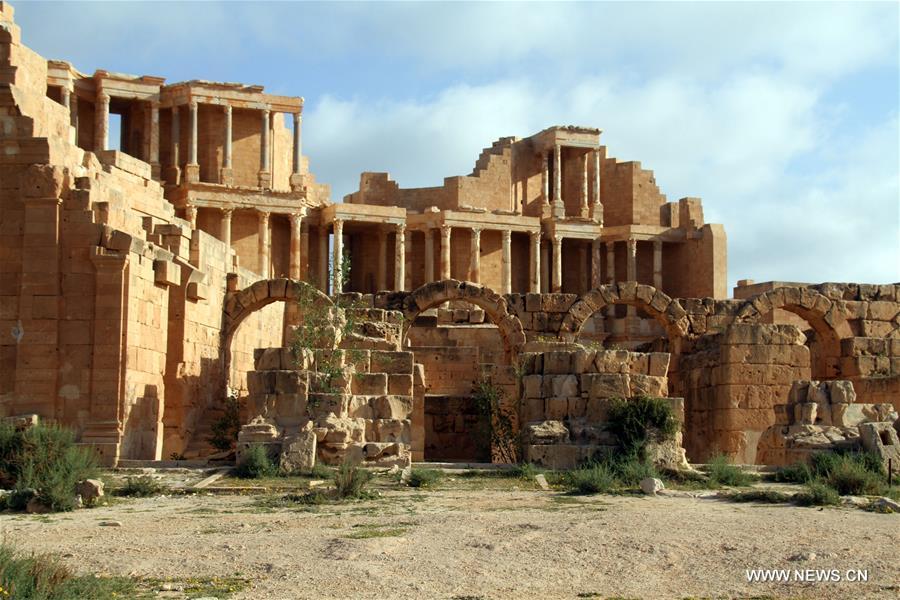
<point x="475" y="256"/>
<point x="585" y="209"/>
<point x="657" y="264"/>
<point x="304" y="251"/>
<point x="174" y="177"/>
<point x="631" y="269"/>
<point x="67" y="103"/>
<point x="598" y="207"/>
<point x="73" y="117"/>
<point x="323" y="258"/>
<point x="265" y="176"/>
<point x="226" y="174"/>
<point x="596" y="278"/>
<point x="611" y="273"/>
<point x="381" y="282"/>
<point x="506" y="263"/>
<point x="429" y="255"/>
<point x="192" y="170"/>
<point x="338" y="258"/>
<point x="225" y="236"/>
<point x="556" y="286"/>
<point x="583" y="267"/>
<point x="545" y="185"/>
<point x="190" y="215"/>
<point x="296" y="228"/>
<point x="101" y="123"/>
<point x="400" y="259"/>
<point x="296" y="179"/>
<point x="446" y="232"/>
<point x="557" y="176"/>
<point x="154" y="139"/>
<point x="263" y="239"/>
<point x="545" y="267"/>
<point x="534" y="239"/>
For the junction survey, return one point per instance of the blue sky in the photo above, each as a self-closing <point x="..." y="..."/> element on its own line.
<point x="783" y="117"/>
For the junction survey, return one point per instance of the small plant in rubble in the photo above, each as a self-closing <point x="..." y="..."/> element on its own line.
<point x="498" y="431"/>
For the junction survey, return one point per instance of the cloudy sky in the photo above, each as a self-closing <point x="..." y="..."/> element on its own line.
<point x="782" y="117"/>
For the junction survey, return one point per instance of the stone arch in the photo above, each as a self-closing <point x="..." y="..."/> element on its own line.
<point x="825" y="315"/>
<point x="242" y="303"/>
<point x="659" y="305"/>
<point x="493" y="304"/>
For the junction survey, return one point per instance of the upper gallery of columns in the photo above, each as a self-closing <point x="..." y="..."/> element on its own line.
<point x="209" y="143"/>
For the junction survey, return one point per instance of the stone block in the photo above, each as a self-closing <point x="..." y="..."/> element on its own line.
<point x="267" y="359"/>
<point x="645" y="385"/>
<point x="533" y="409"/>
<point x="298" y="452"/>
<point x="532" y="386"/>
<point x="261" y="382"/>
<point x="392" y="363"/>
<point x="321" y="404"/>
<point x="583" y="361"/>
<point x="369" y="384"/>
<point x="166" y="273"/>
<point x="401" y="385"/>
<point x="611" y="361"/>
<point x="360" y="407"/>
<point x="392" y="407"/>
<point x="881" y="439"/>
<point x="577" y="407"/>
<point x="609" y="385"/>
<point x="658" y="365"/>
<point x="544" y="433"/>
<point x="393" y="430"/>
<point x="561" y="385"/>
<point x="556" y="362"/>
<point x="289" y="382"/>
<point x="557" y="408"/>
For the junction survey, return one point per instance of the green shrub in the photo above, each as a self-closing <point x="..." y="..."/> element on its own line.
<point x="140" y="487"/>
<point x="795" y="473"/>
<point x="817" y="494"/>
<point x="255" y="463"/>
<point x="424" y="477"/>
<point x="764" y="496"/>
<point x="225" y="430"/>
<point x="320" y="471"/>
<point x="823" y="463"/>
<point x="350" y="480"/>
<point x="640" y="420"/>
<point x="722" y="472"/>
<point x="45" y="578"/>
<point x="592" y="478"/>
<point x="44" y="458"/>
<point x="630" y="470"/>
<point x="850" y="476"/>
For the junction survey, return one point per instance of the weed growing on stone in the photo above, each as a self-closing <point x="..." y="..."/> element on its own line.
<point x="255" y="463"/>
<point x="424" y="478"/>
<point x="723" y="473"/>
<point x="817" y="494"/>
<point x="140" y="487"/>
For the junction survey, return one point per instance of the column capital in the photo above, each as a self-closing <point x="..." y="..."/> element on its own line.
<point x="535" y="237"/>
<point x="266" y="112"/>
<point x="296" y="219"/>
<point x="227" y="108"/>
<point x="154" y="104"/>
<point x="263" y="215"/>
<point x="400" y="228"/>
<point x="429" y="232"/>
<point x="103" y="97"/>
<point x="226" y="211"/>
<point x="507" y="235"/>
<point x="476" y="231"/>
<point x="338" y="224"/>
<point x="297" y="118"/>
<point x="632" y="245"/>
<point x="446" y="229"/>
<point x="194" y="104"/>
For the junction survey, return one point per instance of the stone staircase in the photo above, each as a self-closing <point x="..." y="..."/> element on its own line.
<point x="499" y="148"/>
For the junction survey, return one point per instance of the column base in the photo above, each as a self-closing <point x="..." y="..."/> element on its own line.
<point x="597" y="213"/>
<point x="105" y="437"/>
<point x="265" y="180"/>
<point x="155" y="170"/>
<point x="298" y="182"/>
<point x="226" y="176"/>
<point x="559" y="210"/>
<point x="191" y="173"/>
<point x="172" y="175"/>
<point x="585" y="212"/>
<point x="546" y="211"/>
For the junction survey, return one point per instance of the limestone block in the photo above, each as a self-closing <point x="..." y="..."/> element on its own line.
<point x="577" y="407"/>
<point x="644" y="385"/>
<point x="532" y="385"/>
<point x="533" y="409"/>
<point x="267" y="359"/>
<point x="392" y="430"/>
<point x="298" y="452"/>
<point x="883" y="311"/>
<point x="611" y="361"/>
<point x="290" y="382"/>
<point x="658" y="365"/>
<point x="806" y="413"/>
<point x="261" y="382"/>
<point x="651" y="485"/>
<point x="638" y="362"/>
<point x="400" y="385"/>
<point x="166" y="273"/>
<point x="610" y="385"/>
<point x="321" y="405"/>
<point x="556" y="362"/>
<point x="749" y="396"/>
<point x="533" y="303"/>
<point x="562" y="385"/>
<point x="558" y="456"/>
<point x="392" y="363"/>
<point x="476" y="316"/>
<point x="597" y="410"/>
<point x="289" y="409"/>
<point x="360" y="407"/>
<point x="557" y="408"/>
<point x="370" y="384"/>
<point x="557" y="303"/>
<point x="540" y="321"/>
<point x="392" y="406"/>
<point x="379" y="450"/>
<point x="545" y="432"/>
<point x="89" y="490"/>
<point x="881" y="439"/>
<point x="752" y="333"/>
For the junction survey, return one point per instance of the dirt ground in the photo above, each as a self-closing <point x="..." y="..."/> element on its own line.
<point x="466" y="540"/>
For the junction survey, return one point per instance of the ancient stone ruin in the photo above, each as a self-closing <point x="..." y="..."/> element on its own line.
<point x="143" y="282"/>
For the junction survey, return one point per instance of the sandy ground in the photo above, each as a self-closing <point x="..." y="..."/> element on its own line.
<point x="490" y="543"/>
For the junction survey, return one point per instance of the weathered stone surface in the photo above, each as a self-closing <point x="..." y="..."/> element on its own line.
<point x="298" y="452"/>
<point x="89" y="490"/>
<point x="546" y="432"/>
<point x="651" y="485"/>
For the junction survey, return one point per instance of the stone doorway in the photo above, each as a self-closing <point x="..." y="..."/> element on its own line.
<point x="455" y="431"/>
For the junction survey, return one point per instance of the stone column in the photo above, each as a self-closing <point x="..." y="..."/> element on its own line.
<point x="225" y="235"/>
<point x="631" y="269"/>
<point x="429" y="255"/>
<point x="545" y="185"/>
<point x="400" y="259"/>
<point x="338" y="257"/>
<point x="296" y="179"/>
<point x="226" y="174"/>
<point x="304" y="251"/>
<point x="323" y="258"/>
<point x="585" y="209"/>
<point x="657" y="264"/>
<point x="265" y="177"/>
<point x="583" y="267"/>
<point x="192" y="170"/>
<point x="154" y="139"/>
<point x="381" y="275"/>
<point x="556" y="286"/>
<point x="475" y="256"/>
<point x="506" y="263"/>
<point x="611" y="273"/>
<point x="446" y="232"/>
<point x="101" y="123"/>
<point x="557" y="176"/>
<point x="263" y="239"/>
<point x="596" y="279"/>
<point x="545" y="267"/>
<point x="73" y="116"/>
<point x="175" y="166"/>
<point x="67" y="103"/>
<point x="534" y="239"/>
<point x="190" y="215"/>
<point x="598" y="208"/>
<point x="296" y="228"/>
